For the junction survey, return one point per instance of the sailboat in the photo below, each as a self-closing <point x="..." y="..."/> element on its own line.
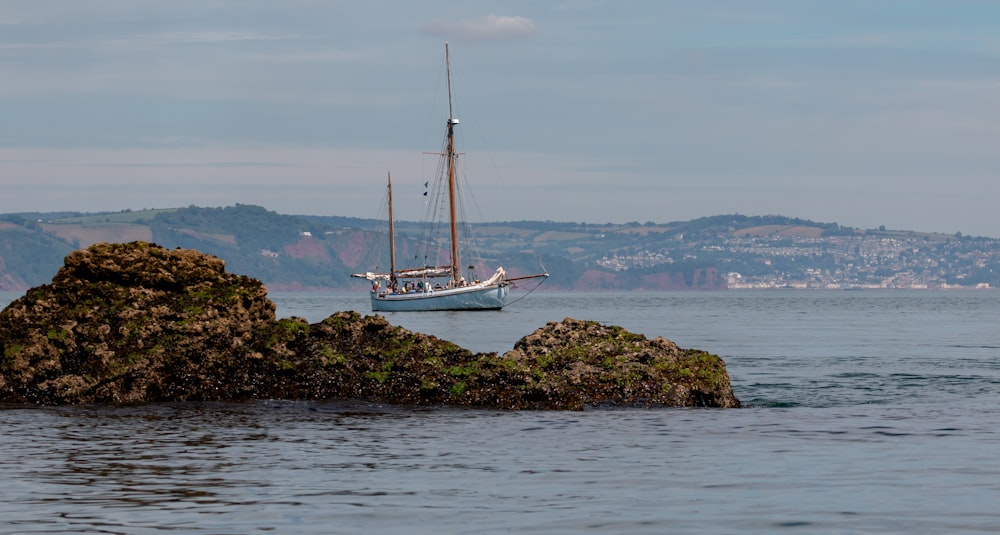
<point x="420" y="288"/>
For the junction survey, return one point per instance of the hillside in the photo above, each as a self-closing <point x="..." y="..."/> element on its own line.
<point x="298" y="252"/>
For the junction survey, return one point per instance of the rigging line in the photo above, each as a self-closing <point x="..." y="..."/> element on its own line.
<point x="431" y="203"/>
<point x="461" y="183"/>
<point x="477" y="127"/>
<point x="526" y="294"/>
<point x="464" y="178"/>
<point x="472" y="240"/>
<point x="460" y="141"/>
<point x="466" y="192"/>
<point x="431" y="219"/>
<point x="468" y="195"/>
<point x="432" y="130"/>
<point x="381" y="230"/>
<point x="434" y="217"/>
<point x="542" y="264"/>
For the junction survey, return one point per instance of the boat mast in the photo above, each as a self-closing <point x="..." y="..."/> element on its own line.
<point x="450" y="154"/>
<point x="392" y="234"/>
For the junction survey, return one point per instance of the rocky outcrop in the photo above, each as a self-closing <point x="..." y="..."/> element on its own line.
<point x="570" y="364"/>
<point x="131" y="322"/>
<point x="136" y="322"/>
<point x="574" y="363"/>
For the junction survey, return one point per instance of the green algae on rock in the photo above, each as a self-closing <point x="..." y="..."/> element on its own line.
<point x="138" y="323"/>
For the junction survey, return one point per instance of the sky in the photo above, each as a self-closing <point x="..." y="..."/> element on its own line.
<point x="855" y="112"/>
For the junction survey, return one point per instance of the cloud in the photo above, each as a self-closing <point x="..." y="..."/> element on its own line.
<point x="483" y="29"/>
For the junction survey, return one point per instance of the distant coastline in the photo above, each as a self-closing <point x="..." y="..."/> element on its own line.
<point x="726" y="252"/>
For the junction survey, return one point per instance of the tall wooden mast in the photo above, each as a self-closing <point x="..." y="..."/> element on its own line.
<point x="451" y="155"/>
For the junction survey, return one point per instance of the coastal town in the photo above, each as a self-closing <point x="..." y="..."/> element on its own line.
<point x="789" y="257"/>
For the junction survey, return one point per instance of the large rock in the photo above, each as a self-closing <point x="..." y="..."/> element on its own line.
<point x="131" y="322"/>
<point x="137" y="322"/>
<point x="574" y="363"/>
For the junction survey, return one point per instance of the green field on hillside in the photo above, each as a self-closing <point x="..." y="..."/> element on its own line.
<point x="126" y="216"/>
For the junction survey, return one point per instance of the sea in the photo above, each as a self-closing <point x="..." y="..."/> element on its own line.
<point x="865" y="412"/>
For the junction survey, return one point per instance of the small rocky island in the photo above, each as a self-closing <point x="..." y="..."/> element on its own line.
<point x="135" y="322"/>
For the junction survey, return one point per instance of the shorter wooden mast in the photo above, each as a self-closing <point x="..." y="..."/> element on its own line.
<point x="392" y="233"/>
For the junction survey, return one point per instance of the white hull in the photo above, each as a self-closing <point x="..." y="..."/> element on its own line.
<point x="478" y="297"/>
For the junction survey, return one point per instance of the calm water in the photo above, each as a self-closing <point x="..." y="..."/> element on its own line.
<point x="869" y="412"/>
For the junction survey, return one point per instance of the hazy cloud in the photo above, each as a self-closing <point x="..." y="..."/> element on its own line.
<point x="488" y="28"/>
